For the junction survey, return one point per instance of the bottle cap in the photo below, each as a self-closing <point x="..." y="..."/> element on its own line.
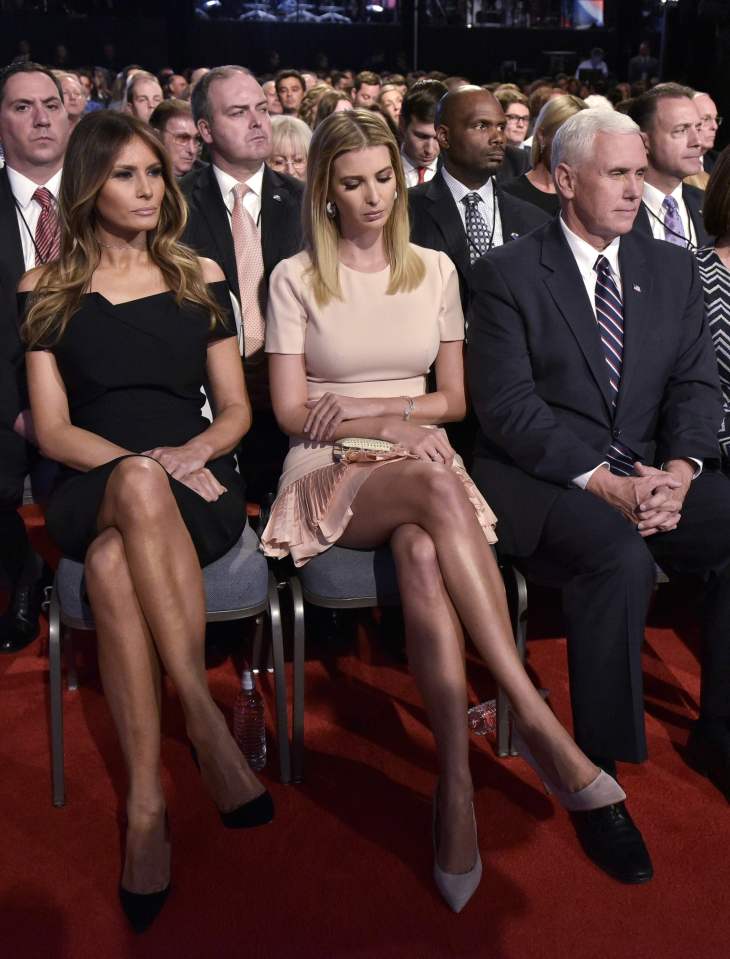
<point x="248" y="683"/>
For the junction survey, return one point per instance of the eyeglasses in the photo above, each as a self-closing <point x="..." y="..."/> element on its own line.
<point x="708" y="119"/>
<point x="515" y="118"/>
<point x="187" y="139"/>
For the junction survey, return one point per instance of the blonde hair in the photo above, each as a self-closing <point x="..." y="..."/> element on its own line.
<point x="549" y="120"/>
<point x="289" y="130"/>
<point x="337" y="134"/>
<point x="92" y="150"/>
<point x="308" y="106"/>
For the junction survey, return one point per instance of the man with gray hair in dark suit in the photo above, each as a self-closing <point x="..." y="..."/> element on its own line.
<point x="594" y="379"/>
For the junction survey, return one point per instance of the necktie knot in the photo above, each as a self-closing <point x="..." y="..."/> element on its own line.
<point x="602" y="266"/>
<point x="670" y="204"/>
<point x="44" y="198"/>
<point x="472" y="200"/>
<point x="240" y="190"/>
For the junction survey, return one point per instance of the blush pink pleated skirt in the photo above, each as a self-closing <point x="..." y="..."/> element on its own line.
<point x="313" y="509"/>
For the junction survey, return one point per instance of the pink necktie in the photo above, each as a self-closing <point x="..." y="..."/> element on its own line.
<point x="250" y="268"/>
<point x="47" y="232"/>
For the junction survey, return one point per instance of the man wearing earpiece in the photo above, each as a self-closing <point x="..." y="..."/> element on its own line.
<point x="670" y="210"/>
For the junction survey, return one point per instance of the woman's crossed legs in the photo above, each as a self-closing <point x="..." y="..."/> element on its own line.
<point x="448" y="576"/>
<point x="146" y="590"/>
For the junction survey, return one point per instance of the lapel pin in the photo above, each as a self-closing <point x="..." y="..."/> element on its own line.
<point x="276" y="197"/>
<point x="514" y="236"/>
<point x="637" y="287"/>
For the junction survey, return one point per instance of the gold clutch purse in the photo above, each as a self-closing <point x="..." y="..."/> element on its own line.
<point x="360" y="449"/>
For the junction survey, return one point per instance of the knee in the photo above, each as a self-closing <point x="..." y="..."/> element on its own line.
<point x="442" y="491"/>
<point x="629" y="555"/>
<point x="415" y="555"/>
<point x="140" y="488"/>
<point x="105" y="559"/>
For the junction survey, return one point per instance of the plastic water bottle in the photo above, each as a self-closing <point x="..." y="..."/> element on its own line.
<point x="249" y="729"/>
<point x="482" y="718"/>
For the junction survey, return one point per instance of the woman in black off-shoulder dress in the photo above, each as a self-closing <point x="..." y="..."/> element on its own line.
<point x="122" y="332"/>
<point x="133" y="373"/>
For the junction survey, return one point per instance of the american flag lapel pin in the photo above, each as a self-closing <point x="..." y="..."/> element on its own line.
<point x="637" y="287"/>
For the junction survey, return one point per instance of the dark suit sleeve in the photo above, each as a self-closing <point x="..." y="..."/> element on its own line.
<point x="512" y="415"/>
<point x="691" y="410"/>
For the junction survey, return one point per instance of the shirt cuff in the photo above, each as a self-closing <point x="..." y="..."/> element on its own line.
<point x="692" y="459"/>
<point x="582" y="481"/>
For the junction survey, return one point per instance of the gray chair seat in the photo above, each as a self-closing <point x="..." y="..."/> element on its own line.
<point x="239" y="580"/>
<point x="237" y="586"/>
<point x="350" y="576"/>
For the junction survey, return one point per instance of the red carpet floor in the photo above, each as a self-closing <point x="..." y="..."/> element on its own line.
<point x="344" y="871"/>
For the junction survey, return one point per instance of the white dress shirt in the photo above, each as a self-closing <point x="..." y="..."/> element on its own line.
<point x="585" y="258"/>
<point x="653" y="200"/>
<point x="488" y="206"/>
<point x="28" y="210"/>
<point x="410" y="170"/>
<point x="252" y="199"/>
<point x="252" y="203"/>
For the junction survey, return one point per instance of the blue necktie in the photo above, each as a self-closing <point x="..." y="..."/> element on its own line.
<point x="673" y="229"/>
<point x="610" y="317"/>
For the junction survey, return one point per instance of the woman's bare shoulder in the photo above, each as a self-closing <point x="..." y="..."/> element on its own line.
<point x="212" y="273"/>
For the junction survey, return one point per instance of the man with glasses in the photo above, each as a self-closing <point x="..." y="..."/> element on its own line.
<point x="173" y="121"/>
<point x="517" y="115"/>
<point x="708" y="131"/>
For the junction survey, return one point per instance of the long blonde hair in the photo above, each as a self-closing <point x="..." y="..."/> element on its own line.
<point x="337" y="134"/>
<point x="92" y="150"/>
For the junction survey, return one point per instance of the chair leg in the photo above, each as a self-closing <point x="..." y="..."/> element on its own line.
<point x="277" y="649"/>
<point x="72" y="678"/>
<point x="258" y="646"/>
<point x="517" y="595"/>
<point x="298" y="699"/>
<point x="56" y="700"/>
<point x="258" y="642"/>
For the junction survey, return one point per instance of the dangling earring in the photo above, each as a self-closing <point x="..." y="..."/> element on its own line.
<point x="395" y="196"/>
<point x="331" y="209"/>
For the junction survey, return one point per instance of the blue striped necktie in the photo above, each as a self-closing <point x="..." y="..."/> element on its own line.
<point x="610" y="316"/>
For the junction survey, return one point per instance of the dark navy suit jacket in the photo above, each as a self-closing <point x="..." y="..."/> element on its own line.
<point x="538" y="378"/>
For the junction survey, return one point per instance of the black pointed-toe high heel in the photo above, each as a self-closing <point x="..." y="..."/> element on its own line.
<point x="141" y="909"/>
<point x="256" y="812"/>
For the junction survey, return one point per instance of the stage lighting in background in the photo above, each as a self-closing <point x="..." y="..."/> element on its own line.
<point x="587" y="14"/>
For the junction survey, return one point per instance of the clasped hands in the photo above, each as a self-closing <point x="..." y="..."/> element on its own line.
<point x="187" y="465"/>
<point x="332" y="409"/>
<point x="651" y="500"/>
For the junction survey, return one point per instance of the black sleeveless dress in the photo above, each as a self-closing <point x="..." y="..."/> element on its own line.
<point x="133" y="374"/>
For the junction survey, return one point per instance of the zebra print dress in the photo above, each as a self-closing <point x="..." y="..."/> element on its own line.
<point x="715" y="278"/>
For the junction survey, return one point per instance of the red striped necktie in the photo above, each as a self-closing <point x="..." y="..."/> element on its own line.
<point x="47" y="232"/>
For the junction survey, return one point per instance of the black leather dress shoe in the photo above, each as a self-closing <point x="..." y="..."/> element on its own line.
<point x="710" y="756"/>
<point x="19" y="626"/>
<point x="610" y="838"/>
